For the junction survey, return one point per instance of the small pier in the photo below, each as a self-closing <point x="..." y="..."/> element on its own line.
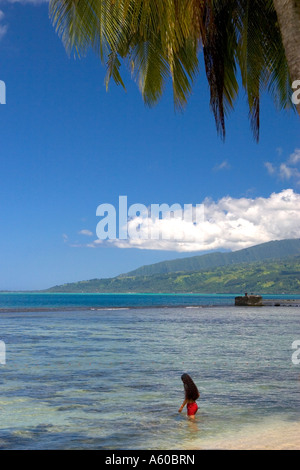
<point x="249" y="301"/>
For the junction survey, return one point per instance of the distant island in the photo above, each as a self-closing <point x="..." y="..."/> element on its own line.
<point x="268" y="268"/>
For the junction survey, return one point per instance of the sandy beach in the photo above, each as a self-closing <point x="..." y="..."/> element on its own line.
<point x="277" y="435"/>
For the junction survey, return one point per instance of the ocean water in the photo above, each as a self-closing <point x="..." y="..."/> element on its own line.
<point x="41" y="300"/>
<point x="108" y="376"/>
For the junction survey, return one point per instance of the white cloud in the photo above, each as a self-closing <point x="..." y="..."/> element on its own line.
<point x="228" y="224"/>
<point x="3" y="27"/>
<point x="85" y="232"/>
<point x="295" y="157"/>
<point x="222" y="166"/>
<point x="3" y="30"/>
<point x="269" y="166"/>
<point x="287" y="170"/>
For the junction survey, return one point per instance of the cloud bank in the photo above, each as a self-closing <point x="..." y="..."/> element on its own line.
<point x="229" y="223"/>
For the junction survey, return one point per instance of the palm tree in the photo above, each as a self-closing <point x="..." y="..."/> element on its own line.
<point x="162" y="39"/>
<point x="288" y="14"/>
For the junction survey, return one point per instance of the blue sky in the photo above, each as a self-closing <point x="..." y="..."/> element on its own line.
<point x="67" y="146"/>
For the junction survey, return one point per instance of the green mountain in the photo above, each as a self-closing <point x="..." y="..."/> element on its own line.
<point x="265" y="251"/>
<point x="262" y="277"/>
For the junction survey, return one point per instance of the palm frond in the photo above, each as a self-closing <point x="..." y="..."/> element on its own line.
<point x="261" y="56"/>
<point x="160" y="40"/>
<point x="219" y="48"/>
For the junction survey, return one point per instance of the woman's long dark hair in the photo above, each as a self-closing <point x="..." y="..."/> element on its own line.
<point x="190" y="389"/>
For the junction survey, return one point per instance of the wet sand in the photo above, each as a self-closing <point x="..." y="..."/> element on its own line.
<point x="268" y="436"/>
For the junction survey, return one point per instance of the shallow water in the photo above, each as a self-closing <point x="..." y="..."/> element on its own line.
<point x="110" y="379"/>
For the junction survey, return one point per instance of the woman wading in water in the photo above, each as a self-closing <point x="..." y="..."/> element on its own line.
<point x="191" y="395"/>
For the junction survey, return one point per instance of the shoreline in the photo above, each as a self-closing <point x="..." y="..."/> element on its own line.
<point x="270" y="303"/>
<point x="281" y="303"/>
<point x="117" y="307"/>
<point x="91" y="302"/>
<point x="268" y="435"/>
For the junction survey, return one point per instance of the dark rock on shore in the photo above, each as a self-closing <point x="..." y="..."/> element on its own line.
<point x="249" y="301"/>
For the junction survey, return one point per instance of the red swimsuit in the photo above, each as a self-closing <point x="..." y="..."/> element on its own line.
<point x="192" y="408"/>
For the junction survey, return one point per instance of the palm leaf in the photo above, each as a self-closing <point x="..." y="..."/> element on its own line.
<point x="160" y="39"/>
